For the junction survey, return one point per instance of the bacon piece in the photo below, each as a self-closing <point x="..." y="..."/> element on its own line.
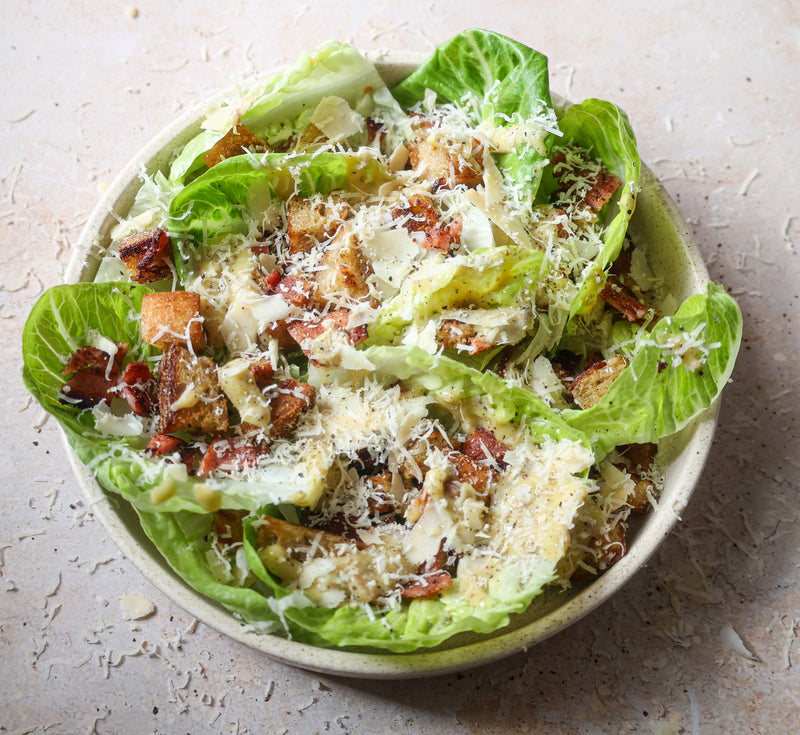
<point x="230" y="455"/>
<point x="435" y="578"/>
<point x="431" y="584"/>
<point x="376" y="131"/>
<point x="603" y="184"/>
<point x="337" y="319"/>
<point x="137" y="386"/>
<point x="94" y="376"/>
<point x="480" y="442"/>
<point x="163" y="444"/>
<point x="421" y="216"/>
<point x="297" y="291"/>
<point x="147" y="256"/>
<point x="286" y="405"/>
<point x="616" y="295"/>
<point x="270" y="282"/>
<point x="228" y="526"/>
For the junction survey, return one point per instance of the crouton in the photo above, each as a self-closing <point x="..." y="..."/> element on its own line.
<point x="234" y="143"/>
<point x="172" y="317"/>
<point x="593" y="383"/>
<point x="413" y="466"/>
<point x="189" y="396"/>
<point x="310" y="221"/>
<point x="443" y="164"/>
<point x="287" y="404"/>
<point x="604" y="549"/>
<point x="471" y="472"/>
<point x="228" y="526"/>
<point x="147" y="256"/>
<point x="455" y="335"/>
<point x="343" y="272"/>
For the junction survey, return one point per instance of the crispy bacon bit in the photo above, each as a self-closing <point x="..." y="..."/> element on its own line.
<point x="231" y="455"/>
<point x="421" y="216"/>
<point x="228" y="526"/>
<point x="94" y="376"/>
<point x="286" y="405"/>
<point x="270" y="282"/>
<point x="432" y="583"/>
<point x="434" y="577"/>
<point x="616" y="295"/>
<point x="297" y="291"/>
<point x="602" y="185"/>
<point x="482" y="442"/>
<point x="163" y="444"/>
<point x="262" y="372"/>
<point x="376" y="131"/>
<point x="337" y="319"/>
<point x="147" y="255"/>
<point x="137" y="386"/>
<point x="593" y="383"/>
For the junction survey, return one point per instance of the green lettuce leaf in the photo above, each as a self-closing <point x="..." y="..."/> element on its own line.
<point x="282" y="104"/>
<point x="238" y="191"/>
<point x="486" y="279"/>
<point x="503" y="81"/>
<point x="416" y="623"/>
<point x="668" y="382"/>
<point x="603" y="129"/>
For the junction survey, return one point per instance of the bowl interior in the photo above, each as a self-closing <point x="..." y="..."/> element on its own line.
<point x="681" y="457"/>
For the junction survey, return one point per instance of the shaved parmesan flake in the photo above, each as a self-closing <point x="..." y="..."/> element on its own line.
<point x="136" y="607"/>
<point x="733" y="642"/>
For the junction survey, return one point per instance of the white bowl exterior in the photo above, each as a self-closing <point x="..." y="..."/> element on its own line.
<point x="656" y="220"/>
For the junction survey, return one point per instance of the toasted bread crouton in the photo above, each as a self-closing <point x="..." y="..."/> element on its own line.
<point x="234" y="143"/>
<point x="228" y="526"/>
<point x="172" y="317"/>
<point x="147" y="256"/>
<point x="604" y="549"/>
<point x="343" y="272"/>
<point x="472" y="472"/>
<point x="593" y="383"/>
<point x="310" y="222"/>
<point x="455" y="335"/>
<point x="413" y="466"/>
<point x="286" y="405"/>
<point x="437" y="160"/>
<point x="189" y="396"/>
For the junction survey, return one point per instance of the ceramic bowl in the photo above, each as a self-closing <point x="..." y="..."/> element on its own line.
<point x="681" y="457"/>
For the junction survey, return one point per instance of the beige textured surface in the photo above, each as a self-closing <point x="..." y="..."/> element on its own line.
<point x="712" y="91"/>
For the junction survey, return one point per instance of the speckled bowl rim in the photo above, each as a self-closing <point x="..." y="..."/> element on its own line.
<point x="689" y="453"/>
